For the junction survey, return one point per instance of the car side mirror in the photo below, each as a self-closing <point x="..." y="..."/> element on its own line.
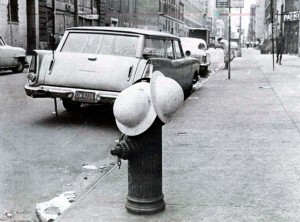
<point x="187" y="53"/>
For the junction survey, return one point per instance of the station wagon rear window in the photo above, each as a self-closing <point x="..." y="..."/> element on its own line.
<point x="104" y="44"/>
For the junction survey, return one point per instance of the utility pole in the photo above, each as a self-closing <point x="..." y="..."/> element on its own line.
<point x="10" y="22"/>
<point x="76" y="13"/>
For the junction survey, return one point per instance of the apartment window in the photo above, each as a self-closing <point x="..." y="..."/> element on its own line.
<point x="13" y="9"/>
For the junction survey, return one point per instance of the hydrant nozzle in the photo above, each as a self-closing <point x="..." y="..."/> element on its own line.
<point x="124" y="148"/>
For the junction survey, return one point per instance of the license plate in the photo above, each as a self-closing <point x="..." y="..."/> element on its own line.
<point x="88" y="97"/>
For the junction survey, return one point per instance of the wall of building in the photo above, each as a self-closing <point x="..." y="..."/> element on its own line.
<point x="291" y="28"/>
<point x="260" y="15"/>
<point x="147" y="16"/>
<point x="14" y="33"/>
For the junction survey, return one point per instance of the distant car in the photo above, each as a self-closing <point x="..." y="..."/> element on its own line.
<point x="94" y="64"/>
<point x="12" y="58"/>
<point x="234" y="45"/>
<point x="198" y="50"/>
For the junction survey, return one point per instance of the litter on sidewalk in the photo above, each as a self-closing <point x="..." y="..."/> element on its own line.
<point x="50" y="210"/>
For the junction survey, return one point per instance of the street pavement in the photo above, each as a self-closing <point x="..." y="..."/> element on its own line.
<point x="230" y="154"/>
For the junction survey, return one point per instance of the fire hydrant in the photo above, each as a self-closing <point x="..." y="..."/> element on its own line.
<point x="140" y="111"/>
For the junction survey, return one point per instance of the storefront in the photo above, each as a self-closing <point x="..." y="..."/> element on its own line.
<point x="291" y="31"/>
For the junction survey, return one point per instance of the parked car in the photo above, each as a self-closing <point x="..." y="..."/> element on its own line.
<point x="94" y="64"/>
<point x="198" y="49"/>
<point x="12" y="58"/>
<point x="234" y="45"/>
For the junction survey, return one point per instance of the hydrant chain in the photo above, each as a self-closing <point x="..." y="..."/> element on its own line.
<point x="119" y="163"/>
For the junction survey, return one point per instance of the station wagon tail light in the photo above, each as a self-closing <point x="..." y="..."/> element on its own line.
<point x="32" y="73"/>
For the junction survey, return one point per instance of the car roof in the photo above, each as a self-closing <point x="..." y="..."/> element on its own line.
<point x="187" y="39"/>
<point x="123" y="30"/>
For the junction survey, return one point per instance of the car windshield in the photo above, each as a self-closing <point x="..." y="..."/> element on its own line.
<point x="105" y="44"/>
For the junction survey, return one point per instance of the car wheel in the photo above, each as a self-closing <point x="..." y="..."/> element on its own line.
<point x="19" y="68"/>
<point x="70" y="105"/>
<point x="188" y="92"/>
<point x="203" y="72"/>
<point x="196" y="78"/>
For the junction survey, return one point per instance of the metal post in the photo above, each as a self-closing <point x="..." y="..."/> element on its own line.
<point x="76" y="22"/>
<point x="272" y="20"/>
<point x="53" y="29"/>
<point x="239" y="53"/>
<point x="10" y="23"/>
<point x="229" y="37"/>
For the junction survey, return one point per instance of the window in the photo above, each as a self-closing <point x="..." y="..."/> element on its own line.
<point x="178" y="50"/>
<point x="170" y="51"/>
<point x="13" y="9"/>
<point x="154" y="48"/>
<point x="103" y="44"/>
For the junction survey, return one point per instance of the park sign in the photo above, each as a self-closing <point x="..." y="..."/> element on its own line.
<point x="291" y="16"/>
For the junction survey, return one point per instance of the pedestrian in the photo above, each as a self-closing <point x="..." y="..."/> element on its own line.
<point x="280" y="40"/>
<point x="224" y="44"/>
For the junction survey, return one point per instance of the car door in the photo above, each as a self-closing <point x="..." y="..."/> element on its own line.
<point x="185" y="75"/>
<point x="165" y="61"/>
<point x="3" y="54"/>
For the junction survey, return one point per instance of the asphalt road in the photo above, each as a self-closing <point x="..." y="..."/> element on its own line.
<point x="42" y="155"/>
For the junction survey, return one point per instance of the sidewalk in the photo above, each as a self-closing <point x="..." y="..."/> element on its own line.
<point x="230" y="154"/>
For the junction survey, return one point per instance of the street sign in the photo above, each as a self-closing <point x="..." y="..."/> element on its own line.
<point x="291" y="16"/>
<point x="237" y="3"/>
<point x="222" y="4"/>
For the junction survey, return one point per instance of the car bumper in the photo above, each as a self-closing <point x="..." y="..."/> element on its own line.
<point x="204" y="65"/>
<point x="68" y="93"/>
<point x="26" y="64"/>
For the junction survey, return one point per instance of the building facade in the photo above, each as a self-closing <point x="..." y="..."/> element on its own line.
<point x="290" y="25"/>
<point x="48" y="17"/>
<point x="286" y="19"/>
<point x="13" y="23"/>
<point x="40" y="22"/>
<point x="259" y="24"/>
<point x="161" y="15"/>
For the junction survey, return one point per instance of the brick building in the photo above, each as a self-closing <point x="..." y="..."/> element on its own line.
<point x="162" y="15"/>
<point x="48" y="16"/>
<point x="13" y="24"/>
<point x="37" y="20"/>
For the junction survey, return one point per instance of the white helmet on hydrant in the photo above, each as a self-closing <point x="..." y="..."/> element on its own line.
<point x="167" y="96"/>
<point x="133" y="109"/>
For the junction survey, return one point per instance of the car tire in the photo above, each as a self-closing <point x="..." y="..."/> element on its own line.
<point x="70" y="105"/>
<point x="19" y="68"/>
<point x="196" y="78"/>
<point x="203" y="73"/>
<point x="188" y="92"/>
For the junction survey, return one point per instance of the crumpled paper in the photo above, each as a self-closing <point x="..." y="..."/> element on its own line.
<point x="50" y="210"/>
